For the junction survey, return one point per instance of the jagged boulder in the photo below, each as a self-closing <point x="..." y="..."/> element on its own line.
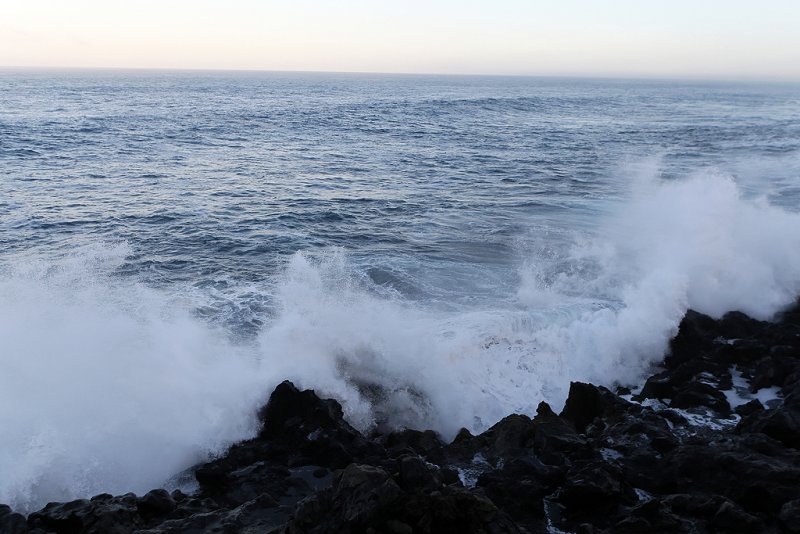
<point x="696" y="335"/>
<point x="12" y="522"/>
<point x="754" y="472"/>
<point x="587" y="402"/>
<point x="781" y="424"/>
<point x="512" y="436"/>
<point x="103" y="514"/>
<point x="593" y="493"/>
<point x="310" y="430"/>
<point x="366" y="498"/>
<point x="789" y="516"/>
<point x="425" y="443"/>
<point x="299" y="429"/>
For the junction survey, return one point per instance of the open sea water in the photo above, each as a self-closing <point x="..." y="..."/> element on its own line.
<point x="434" y="252"/>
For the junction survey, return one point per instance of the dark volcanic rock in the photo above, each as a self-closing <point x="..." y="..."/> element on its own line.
<point x="290" y="409"/>
<point x="736" y="325"/>
<point x="696" y="394"/>
<point x="310" y="430"/>
<point x="156" y="503"/>
<point x="758" y="476"/>
<point x="519" y="488"/>
<point x="366" y="499"/>
<point x="107" y="514"/>
<point x="300" y="429"/>
<point x="237" y="486"/>
<point x="782" y="424"/>
<point x="587" y="402"/>
<point x="11" y="522"/>
<point x="594" y="492"/>
<point x="789" y="516"/>
<point x="654" y="516"/>
<point x="731" y="518"/>
<point x="696" y="335"/>
<point x="414" y="474"/>
<point x="751" y="407"/>
<point x="554" y="436"/>
<point x="511" y="437"/>
<point x="426" y="443"/>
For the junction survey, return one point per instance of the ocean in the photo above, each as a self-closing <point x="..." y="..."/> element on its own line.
<point x="432" y="251"/>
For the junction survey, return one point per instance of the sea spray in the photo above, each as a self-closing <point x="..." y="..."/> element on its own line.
<point x="674" y="244"/>
<point x="110" y="384"/>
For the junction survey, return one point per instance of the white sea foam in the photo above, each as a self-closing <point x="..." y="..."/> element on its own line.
<point x="740" y="393"/>
<point x="110" y="385"/>
<point x="107" y="385"/>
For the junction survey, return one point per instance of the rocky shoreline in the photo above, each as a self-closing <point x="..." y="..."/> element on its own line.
<point x="710" y="443"/>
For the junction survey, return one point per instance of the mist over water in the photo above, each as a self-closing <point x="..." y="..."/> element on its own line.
<point x="433" y="252"/>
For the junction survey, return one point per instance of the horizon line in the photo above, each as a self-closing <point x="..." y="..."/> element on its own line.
<point x="597" y="76"/>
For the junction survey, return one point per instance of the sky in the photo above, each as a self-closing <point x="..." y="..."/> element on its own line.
<point x="729" y="39"/>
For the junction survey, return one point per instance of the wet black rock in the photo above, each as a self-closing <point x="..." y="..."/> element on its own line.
<point x="594" y="492"/>
<point x="367" y="499"/>
<point x="759" y="476"/>
<point x="696" y="335"/>
<point x="11" y="522"/>
<point x="732" y="518"/>
<point x="156" y="503"/>
<point x="697" y="393"/>
<point x="105" y="514"/>
<point x="782" y="424"/>
<point x="510" y="437"/>
<point x="587" y="402"/>
<point x="427" y="443"/>
<point x="736" y="325"/>
<point x="789" y="516"/>
<point x="307" y="429"/>
<point x="750" y="407"/>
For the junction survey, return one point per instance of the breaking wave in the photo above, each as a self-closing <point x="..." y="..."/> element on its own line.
<point x="110" y="384"/>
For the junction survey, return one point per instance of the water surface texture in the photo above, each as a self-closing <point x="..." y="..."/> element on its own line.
<point x="432" y="251"/>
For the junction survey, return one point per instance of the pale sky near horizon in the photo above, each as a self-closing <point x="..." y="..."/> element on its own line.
<point x="648" y="38"/>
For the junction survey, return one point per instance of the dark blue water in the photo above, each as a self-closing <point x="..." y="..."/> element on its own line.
<point x="466" y="245"/>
